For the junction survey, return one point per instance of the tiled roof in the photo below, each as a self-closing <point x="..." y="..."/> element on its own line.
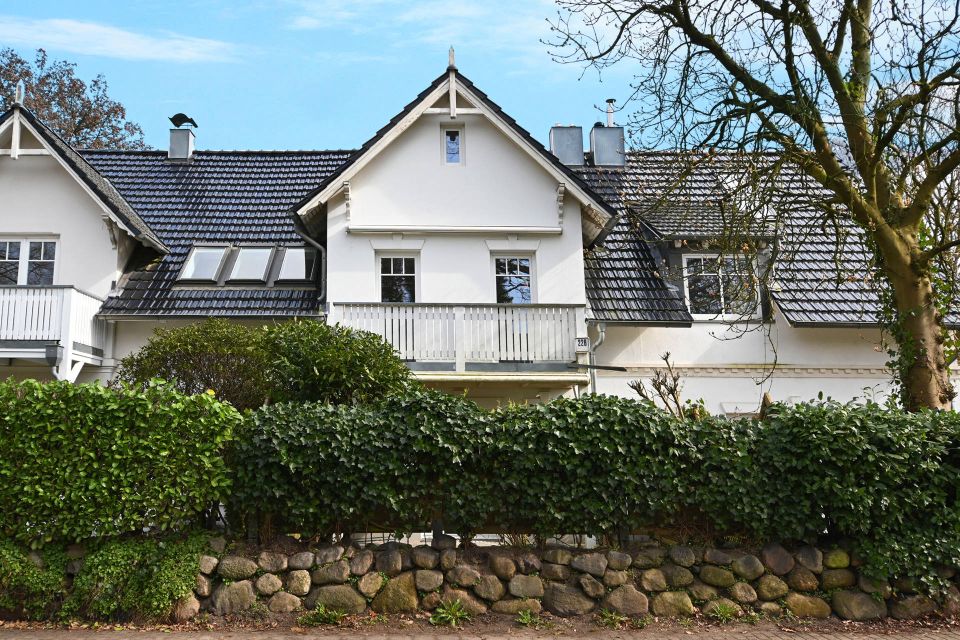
<point x="219" y="196"/>
<point x="93" y="179"/>
<point x="623" y="284"/>
<point x="819" y="279"/>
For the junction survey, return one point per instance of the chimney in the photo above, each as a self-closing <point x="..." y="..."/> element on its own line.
<point x="607" y="142"/>
<point x="567" y="144"/>
<point x="181" y="145"/>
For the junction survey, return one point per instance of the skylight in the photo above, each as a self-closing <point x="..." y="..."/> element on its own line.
<point x="203" y="263"/>
<point x="298" y="264"/>
<point x="251" y="263"/>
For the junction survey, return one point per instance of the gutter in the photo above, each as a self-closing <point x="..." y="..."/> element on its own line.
<point x="301" y="230"/>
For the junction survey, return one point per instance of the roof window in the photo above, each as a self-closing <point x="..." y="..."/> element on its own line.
<point x="251" y="264"/>
<point x="203" y="263"/>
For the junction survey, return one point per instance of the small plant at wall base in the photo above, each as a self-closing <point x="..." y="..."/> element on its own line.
<point x="31" y="585"/>
<point x="451" y="613"/>
<point x="321" y="616"/>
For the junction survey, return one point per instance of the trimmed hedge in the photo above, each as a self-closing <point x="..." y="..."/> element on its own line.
<point x="887" y="479"/>
<point x="82" y="460"/>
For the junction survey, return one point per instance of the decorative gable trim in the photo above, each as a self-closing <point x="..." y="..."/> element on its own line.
<point x="599" y="215"/>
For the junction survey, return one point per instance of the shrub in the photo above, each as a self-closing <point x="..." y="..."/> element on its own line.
<point x="31" y="585"/>
<point x="216" y="354"/>
<point x="134" y="578"/>
<point x="83" y="459"/>
<point x="314" y="362"/>
<point x="249" y="366"/>
<point x="602" y="465"/>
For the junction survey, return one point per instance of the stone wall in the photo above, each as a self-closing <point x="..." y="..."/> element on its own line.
<point x="652" y="578"/>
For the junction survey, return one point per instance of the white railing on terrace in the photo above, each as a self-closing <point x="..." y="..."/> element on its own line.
<point x="51" y="314"/>
<point x="470" y="332"/>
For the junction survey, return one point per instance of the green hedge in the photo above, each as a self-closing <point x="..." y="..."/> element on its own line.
<point x="887" y="479"/>
<point x="82" y="460"/>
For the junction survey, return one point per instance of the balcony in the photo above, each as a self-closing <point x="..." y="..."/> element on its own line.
<point x="54" y="324"/>
<point x="474" y="337"/>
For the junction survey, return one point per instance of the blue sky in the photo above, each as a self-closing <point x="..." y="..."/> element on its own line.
<point x="306" y="74"/>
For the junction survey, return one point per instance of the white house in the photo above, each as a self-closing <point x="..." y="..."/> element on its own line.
<point x="494" y="266"/>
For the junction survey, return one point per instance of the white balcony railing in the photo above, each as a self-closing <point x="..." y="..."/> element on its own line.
<point x="64" y="315"/>
<point x="472" y="332"/>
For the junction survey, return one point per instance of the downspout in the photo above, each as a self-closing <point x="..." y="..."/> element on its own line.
<point x="602" y="330"/>
<point x="298" y="227"/>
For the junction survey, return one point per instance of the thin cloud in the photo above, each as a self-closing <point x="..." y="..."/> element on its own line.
<point x="96" y="39"/>
<point x="498" y="26"/>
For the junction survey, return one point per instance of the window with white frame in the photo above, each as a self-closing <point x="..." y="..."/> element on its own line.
<point x="514" y="279"/>
<point x="298" y="263"/>
<point x="453" y="145"/>
<point x="27" y="262"/>
<point x="398" y="279"/>
<point x="720" y="287"/>
<point x="203" y="263"/>
<point x="251" y="264"/>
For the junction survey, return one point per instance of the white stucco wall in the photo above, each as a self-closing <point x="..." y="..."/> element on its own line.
<point x="730" y="370"/>
<point x="498" y="185"/>
<point x="39" y="199"/>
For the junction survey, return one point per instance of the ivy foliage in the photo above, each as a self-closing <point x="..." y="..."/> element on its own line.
<point x="886" y="479"/>
<point x="134" y="578"/>
<point x="249" y="366"/>
<point x="31" y="584"/>
<point x="80" y="460"/>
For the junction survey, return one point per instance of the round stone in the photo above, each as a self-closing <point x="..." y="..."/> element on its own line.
<point x="268" y="584"/>
<point x="747" y="567"/>
<point x="743" y="593"/>
<point x="717" y="576"/>
<point x="771" y="588"/>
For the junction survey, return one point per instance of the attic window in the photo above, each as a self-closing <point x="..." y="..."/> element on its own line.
<point x="251" y="264"/>
<point x="720" y="287"/>
<point x="203" y="263"/>
<point x="452" y="139"/>
<point x="298" y="264"/>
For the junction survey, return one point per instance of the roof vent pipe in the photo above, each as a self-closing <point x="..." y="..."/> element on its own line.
<point x="610" y="103"/>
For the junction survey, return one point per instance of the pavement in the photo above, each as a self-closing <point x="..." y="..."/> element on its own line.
<point x="732" y="633"/>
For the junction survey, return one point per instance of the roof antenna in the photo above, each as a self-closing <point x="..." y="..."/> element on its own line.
<point x="452" y="64"/>
<point x="19" y="93"/>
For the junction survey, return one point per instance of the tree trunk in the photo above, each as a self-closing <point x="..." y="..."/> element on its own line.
<point x="921" y="358"/>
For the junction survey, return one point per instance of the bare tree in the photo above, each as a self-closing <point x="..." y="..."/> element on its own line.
<point x="83" y="114"/>
<point x="858" y="97"/>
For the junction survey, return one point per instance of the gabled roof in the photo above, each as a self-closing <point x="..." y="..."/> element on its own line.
<point x="820" y="279"/>
<point x="124" y="214"/>
<point x="239" y="197"/>
<point x="574" y="183"/>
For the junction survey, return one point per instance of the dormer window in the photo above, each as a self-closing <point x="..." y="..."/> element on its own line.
<point x="251" y="264"/>
<point x="720" y="288"/>
<point x="453" y="145"/>
<point x="203" y="263"/>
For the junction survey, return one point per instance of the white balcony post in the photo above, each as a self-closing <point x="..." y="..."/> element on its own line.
<point x="460" y="338"/>
<point x="63" y="370"/>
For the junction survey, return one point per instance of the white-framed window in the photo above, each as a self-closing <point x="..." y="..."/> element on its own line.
<point x="398" y="277"/>
<point x="299" y="263"/>
<point x="27" y="262"/>
<point x="720" y="287"/>
<point x="452" y="145"/>
<point x="203" y="263"/>
<point x="251" y="264"/>
<point x="513" y="279"/>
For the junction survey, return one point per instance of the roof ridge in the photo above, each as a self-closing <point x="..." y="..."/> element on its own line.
<point x="216" y="151"/>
